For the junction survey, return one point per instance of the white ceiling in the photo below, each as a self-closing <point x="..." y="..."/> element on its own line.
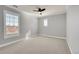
<point x="50" y="9"/>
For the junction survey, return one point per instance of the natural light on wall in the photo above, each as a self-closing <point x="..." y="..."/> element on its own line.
<point x="45" y="22"/>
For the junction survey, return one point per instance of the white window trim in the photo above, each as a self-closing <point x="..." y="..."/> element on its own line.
<point x="45" y="23"/>
<point x="4" y="15"/>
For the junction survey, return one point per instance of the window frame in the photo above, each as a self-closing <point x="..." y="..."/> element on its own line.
<point x="15" y="14"/>
<point x="45" y="22"/>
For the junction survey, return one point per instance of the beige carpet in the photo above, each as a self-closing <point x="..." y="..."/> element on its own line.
<point x="37" y="45"/>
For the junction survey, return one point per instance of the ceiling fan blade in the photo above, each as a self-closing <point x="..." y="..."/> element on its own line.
<point x="15" y="6"/>
<point x="36" y="10"/>
<point x="43" y="9"/>
<point x="39" y="10"/>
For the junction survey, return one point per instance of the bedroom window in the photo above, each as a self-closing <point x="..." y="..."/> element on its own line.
<point x="11" y="24"/>
<point x="45" y="22"/>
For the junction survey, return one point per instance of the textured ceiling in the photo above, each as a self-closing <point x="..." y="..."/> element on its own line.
<point x="50" y="9"/>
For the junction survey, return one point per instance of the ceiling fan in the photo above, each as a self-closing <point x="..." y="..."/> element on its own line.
<point x="40" y="10"/>
<point x="15" y="6"/>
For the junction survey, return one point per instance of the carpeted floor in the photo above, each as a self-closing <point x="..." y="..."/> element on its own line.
<point x="37" y="45"/>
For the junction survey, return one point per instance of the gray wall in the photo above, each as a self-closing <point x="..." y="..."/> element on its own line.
<point x="2" y="40"/>
<point x="56" y="25"/>
<point x="27" y="23"/>
<point x="73" y="28"/>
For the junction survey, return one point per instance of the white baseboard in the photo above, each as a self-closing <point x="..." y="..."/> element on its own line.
<point x="6" y="44"/>
<point x="52" y="36"/>
<point x="69" y="47"/>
